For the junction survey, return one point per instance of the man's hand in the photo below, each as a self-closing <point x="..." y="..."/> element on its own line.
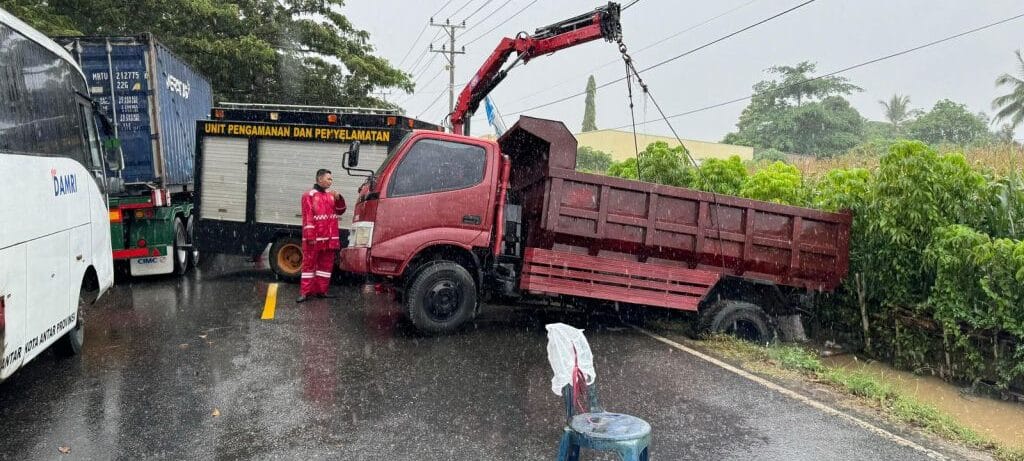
<point x="333" y="193"/>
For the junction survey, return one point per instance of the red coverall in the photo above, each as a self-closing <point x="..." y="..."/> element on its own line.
<point x="319" y="240"/>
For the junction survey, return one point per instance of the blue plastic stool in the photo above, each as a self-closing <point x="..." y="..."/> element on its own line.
<point x="599" y="430"/>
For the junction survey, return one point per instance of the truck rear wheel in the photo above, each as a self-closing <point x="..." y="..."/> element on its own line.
<point x="190" y="232"/>
<point x="286" y="258"/>
<point x="440" y="298"/>
<point x="180" y="248"/>
<point x="743" y="320"/>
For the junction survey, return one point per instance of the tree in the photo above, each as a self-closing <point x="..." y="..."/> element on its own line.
<point x="591" y="160"/>
<point x="950" y="122"/>
<point x="797" y="85"/>
<point x="660" y="164"/>
<point x="897" y="110"/>
<point x="270" y="51"/>
<point x="590" y="110"/>
<point x="794" y="113"/>
<point x="1005" y="134"/>
<point x="41" y="16"/>
<point x="1011" y="106"/>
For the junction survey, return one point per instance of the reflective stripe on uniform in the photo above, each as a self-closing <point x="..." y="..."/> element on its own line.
<point x="323" y="274"/>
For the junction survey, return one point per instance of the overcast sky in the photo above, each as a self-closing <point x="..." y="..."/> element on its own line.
<point x="833" y="33"/>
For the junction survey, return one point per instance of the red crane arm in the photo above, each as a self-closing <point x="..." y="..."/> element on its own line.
<point x="600" y="23"/>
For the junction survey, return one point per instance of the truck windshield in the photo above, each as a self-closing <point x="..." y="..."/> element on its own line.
<point x="392" y="152"/>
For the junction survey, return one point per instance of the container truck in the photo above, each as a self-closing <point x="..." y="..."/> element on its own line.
<point x="254" y="162"/>
<point x="449" y="220"/>
<point x="154" y="100"/>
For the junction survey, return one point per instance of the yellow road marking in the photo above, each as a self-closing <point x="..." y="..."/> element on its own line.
<point x="271" y="303"/>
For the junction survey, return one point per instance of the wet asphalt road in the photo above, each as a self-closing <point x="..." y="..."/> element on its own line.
<point x="348" y="378"/>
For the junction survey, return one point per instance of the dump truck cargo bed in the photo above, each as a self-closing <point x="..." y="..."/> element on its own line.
<point x="585" y="231"/>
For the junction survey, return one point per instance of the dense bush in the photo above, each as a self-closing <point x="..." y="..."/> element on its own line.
<point x="977" y="297"/>
<point x="722" y="176"/>
<point x="778" y="182"/>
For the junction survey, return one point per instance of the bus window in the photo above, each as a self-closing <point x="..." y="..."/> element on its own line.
<point x="95" y="155"/>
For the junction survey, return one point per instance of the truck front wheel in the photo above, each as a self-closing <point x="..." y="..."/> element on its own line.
<point x="441" y="297"/>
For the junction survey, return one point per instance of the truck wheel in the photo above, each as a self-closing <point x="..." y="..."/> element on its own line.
<point x="71" y="343"/>
<point x="743" y="320"/>
<point x="440" y="298"/>
<point x="180" y="248"/>
<point x="286" y="258"/>
<point x="190" y="233"/>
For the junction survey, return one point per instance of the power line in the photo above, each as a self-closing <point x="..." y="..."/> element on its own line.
<point x="426" y="66"/>
<point x="517" y="13"/>
<point x="464" y="5"/>
<point x="634" y="2"/>
<point x="477" y="10"/>
<point x="492" y="13"/>
<point x="424" y="53"/>
<point x="724" y="37"/>
<point x="616" y="61"/>
<point x="431" y="106"/>
<point x="420" y="35"/>
<point x="441" y="8"/>
<point x="845" y="69"/>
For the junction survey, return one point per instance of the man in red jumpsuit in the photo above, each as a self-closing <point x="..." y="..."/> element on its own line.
<point x="321" y="207"/>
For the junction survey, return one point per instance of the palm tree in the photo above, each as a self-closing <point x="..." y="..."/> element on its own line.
<point x="1011" y="106"/>
<point x="897" y="110"/>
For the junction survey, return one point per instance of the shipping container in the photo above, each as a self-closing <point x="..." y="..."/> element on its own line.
<point x="153" y="100"/>
<point x="157" y="100"/>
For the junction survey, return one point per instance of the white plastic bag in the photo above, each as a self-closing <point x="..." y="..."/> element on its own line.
<point x="562" y="339"/>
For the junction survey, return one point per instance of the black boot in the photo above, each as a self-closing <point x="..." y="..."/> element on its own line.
<point x="300" y="299"/>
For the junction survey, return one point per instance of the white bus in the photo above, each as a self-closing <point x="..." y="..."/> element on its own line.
<point x="55" y="251"/>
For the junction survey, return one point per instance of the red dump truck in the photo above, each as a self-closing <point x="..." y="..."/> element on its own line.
<point x="449" y="220"/>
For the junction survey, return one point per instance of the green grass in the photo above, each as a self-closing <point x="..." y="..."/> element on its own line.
<point x="883" y="396"/>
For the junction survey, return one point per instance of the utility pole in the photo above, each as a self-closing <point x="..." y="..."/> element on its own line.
<point x="449" y="52"/>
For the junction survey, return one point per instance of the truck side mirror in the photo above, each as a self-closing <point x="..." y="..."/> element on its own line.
<point x="112" y="149"/>
<point x="111" y="145"/>
<point x="353" y="154"/>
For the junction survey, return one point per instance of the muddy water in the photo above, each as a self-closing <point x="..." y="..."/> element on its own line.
<point x="997" y="420"/>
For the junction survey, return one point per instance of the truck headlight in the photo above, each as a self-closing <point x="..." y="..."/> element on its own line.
<point x="362" y="234"/>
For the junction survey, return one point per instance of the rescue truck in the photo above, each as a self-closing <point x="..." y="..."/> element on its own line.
<point x="154" y="99"/>
<point x="55" y="255"/>
<point x="254" y="162"/>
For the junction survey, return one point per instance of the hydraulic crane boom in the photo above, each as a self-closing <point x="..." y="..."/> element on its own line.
<point x="600" y="23"/>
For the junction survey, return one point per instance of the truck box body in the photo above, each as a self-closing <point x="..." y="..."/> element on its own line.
<point x="254" y="164"/>
<point x="661" y="244"/>
<point x="158" y="100"/>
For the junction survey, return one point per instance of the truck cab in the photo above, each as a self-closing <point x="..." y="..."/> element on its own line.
<point x="434" y="189"/>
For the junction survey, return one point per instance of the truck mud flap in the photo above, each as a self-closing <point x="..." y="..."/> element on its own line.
<point x="153" y="265"/>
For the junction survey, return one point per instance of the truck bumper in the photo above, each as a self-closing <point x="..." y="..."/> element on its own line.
<point x="355" y="260"/>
